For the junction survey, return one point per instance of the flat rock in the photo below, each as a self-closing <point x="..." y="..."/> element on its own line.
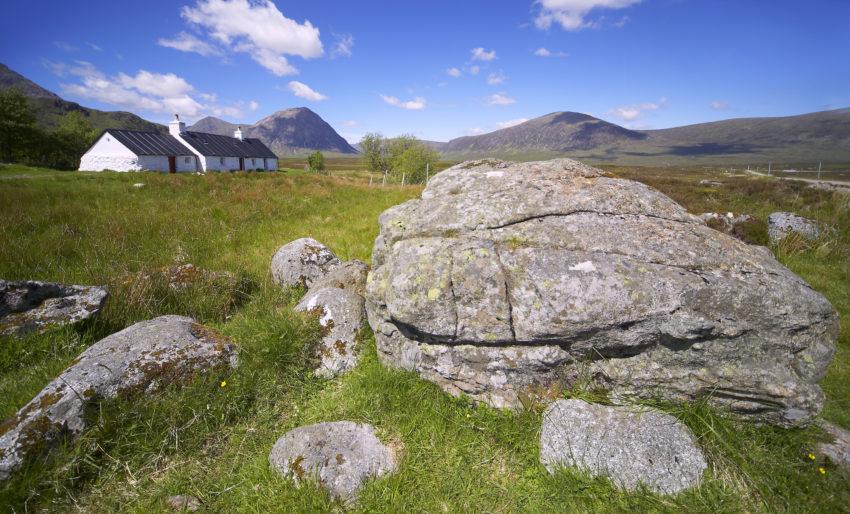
<point x="781" y="224"/>
<point x="837" y="448"/>
<point x="341" y="315"/>
<point x="342" y="455"/>
<point x="137" y="360"/>
<point x="349" y="275"/>
<point x="183" y="503"/>
<point x="32" y="306"/>
<point x="513" y="280"/>
<point x="631" y="446"/>
<point x="302" y="262"/>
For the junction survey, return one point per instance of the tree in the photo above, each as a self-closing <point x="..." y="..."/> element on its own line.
<point x="373" y="147"/>
<point x="75" y="134"/>
<point x="409" y="158"/>
<point x="17" y="125"/>
<point x="316" y="162"/>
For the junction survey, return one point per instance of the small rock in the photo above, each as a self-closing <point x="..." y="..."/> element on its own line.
<point x="711" y="183"/>
<point x="629" y="445"/>
<point x="29" y="306"/>
<point x="342" y="455"/>
<point x="350" y="275"/>
<point x="341" y="314"/>
<point x="138" y="185"/>
<point x="838" y="449"/>
<point x="183" y="503"/>
<point x="137" y="360"/>
<point x="302" y="262"/>
<point x="781" y="224"/>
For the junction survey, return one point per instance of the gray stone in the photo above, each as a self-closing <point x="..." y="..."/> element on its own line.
<point x="349" y="275"/>
<point x="137" y="360"/>
<point x="837" y="448"/>
<point x="341" y="314"/>
<point x="302" y="262"/>
<point x="183" y="503"/>
<point x="513" y="280"/>
<point x="31" y="306"/>
<point x="632" y="446"/>
<point x="781" y="224"/>
<point x="341" y="455"/>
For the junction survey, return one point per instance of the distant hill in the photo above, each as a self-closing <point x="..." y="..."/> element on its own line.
<point x="295" y="131"/>
<point x="802" y="138"/>
<point x="50" y="107"/>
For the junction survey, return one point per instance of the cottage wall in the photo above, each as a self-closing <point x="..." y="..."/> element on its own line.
<point x="108" y="154"/>
<point x="160" y="163"/>
<point x="212" y="163"/>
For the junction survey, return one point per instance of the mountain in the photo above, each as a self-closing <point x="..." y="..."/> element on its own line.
<point x="820" y="136"/>
<point x="213" y="125"/>
<point x="295" y="131"/>
<point x="50" y="107"/>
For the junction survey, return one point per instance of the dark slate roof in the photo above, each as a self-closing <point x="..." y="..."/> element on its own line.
<point x="214" y="145"/>
<point x="149" y="143"/>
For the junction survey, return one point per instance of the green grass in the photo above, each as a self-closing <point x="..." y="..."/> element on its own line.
<point x="212" y="442"/>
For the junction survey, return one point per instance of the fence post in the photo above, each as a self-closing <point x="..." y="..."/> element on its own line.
<point x="402" y="178"/>
<point x="384" y="182"/>
<point x="370" y="179"/>
<point x="427" y="171"/>
<point x="819" y="165"/>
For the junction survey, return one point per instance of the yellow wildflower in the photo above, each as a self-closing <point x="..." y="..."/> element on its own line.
<point x="822" y="471"/>
<point x="224" y="383"/>
<point x="811" y="456"/>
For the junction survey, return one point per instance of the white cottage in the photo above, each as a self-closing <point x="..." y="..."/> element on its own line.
<point x="178" y="151"/>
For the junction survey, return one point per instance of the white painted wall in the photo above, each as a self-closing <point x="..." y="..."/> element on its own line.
<point x="271" y="164"/>
<point x="109" y="154"/>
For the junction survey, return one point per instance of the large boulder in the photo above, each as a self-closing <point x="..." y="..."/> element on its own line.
<point x="508" y="280"/>
<point x="837" y="445"/>
<point x="32" y="306"/>
<point x="782" y="224"/>
<point x="302" y="262"/>
<point x="629" y="445"/>
<point x="341" y="313"/>
<point x="342" y="455"/>
<point x="134" y="361"/>
<point x="349" y="275"/>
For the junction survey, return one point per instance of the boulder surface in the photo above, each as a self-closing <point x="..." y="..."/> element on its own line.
<point x="340" y="314"/>
<point x="302" y="262"/>
<point x="630" y="445"/>
<point x="29" y="306"/>
<point x="508" y="280"/>
<point x="342" y="455"/>
<point x="136" y="360"/>
<point x="349" y="275"/>
<point x="782" y="224"/>
<point x="837" y="448"/>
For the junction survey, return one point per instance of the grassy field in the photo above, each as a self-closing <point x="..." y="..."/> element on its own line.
<point x="212" y="442"/>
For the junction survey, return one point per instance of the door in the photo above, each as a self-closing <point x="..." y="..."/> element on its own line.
<point x="241" y="163"/>
<point x="172" y="164"/>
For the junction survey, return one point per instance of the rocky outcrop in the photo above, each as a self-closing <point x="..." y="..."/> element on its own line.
<point x="342" y="455"/>
<point x="341" y="314"/>
<point x="629" y="445"/>
<point x="302" y="262"/>
<point x="349" y="275"/>
<point x="837" y="446"/>
<point x="137" y="360"/>
<point x="782" y="224"/>
<point x="31" y="306"/>
<point x="513" y="279"/>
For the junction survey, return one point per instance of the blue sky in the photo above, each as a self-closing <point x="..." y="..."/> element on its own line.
<point x="437" y="69"/>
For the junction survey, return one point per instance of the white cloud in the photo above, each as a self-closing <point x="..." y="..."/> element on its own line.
<point x="720" y="105"/>
<point x="633" y="112"/>
<point x="479" y="54"/>
<point x="572" y="14"/>
<point x="163" y="93"/>
<point x="186" y="42"/>
<point x="94" y="47"/>
<point x="253" y="105"/>
<point x="343" y="46"/>
<point x="473" y="70"/>
<point x="496" y="78"/>
<point x="500" y="99"/>
<point x="417" y="104"/>
<point x="511" y="123"/>
<point x="545" y="52"/>
<point x="349" y="123"/>
<point x="454" y="72"/>
<point x="65" y="47"/>
<point x="474" y="131"/>
<point x="302" y="90"/>
<point x="254" y="27"/>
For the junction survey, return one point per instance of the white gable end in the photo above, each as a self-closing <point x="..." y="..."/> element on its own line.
<point x="109" y="154"/>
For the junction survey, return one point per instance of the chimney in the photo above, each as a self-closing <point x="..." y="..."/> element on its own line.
<point x="176" y="127"/>
<point x="238" y="133"/>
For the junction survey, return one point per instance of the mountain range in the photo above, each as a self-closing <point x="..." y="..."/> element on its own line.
<point x="820" y="136"/>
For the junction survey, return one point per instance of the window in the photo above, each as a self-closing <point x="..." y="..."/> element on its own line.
<point x="187" y="160"/>
<point x="221" y="160"/>
<point x="253" y="162"/>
